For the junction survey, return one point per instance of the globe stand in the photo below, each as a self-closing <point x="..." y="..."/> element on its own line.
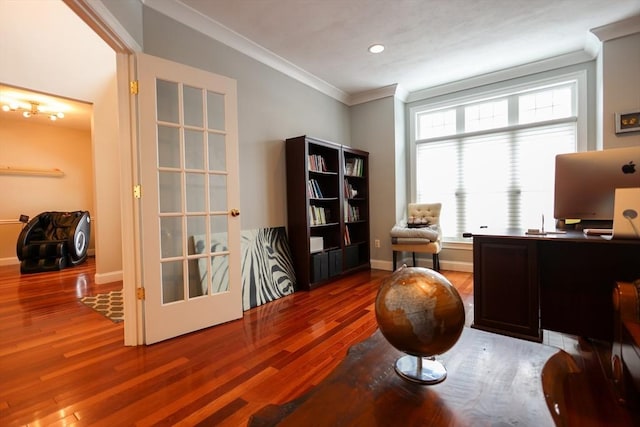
<point x="420" y="370"/>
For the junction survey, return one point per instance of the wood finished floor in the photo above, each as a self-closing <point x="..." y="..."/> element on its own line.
<point x="61" y="363"/>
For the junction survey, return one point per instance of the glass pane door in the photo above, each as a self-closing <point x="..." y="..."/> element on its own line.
<point x="192" y="192"/>
<point x="189" y="174"/>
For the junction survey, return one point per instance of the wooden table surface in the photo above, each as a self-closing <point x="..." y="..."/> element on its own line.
<point x="492" y="380"/>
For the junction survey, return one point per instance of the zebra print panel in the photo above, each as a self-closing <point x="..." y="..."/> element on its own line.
<point x="267" y="269"/>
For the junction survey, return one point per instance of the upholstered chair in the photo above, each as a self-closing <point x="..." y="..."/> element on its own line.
<point x="420" y="232"/>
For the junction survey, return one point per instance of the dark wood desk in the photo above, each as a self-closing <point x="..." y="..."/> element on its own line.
<point x="491" y="380"/>
<point x="560" y="282"/>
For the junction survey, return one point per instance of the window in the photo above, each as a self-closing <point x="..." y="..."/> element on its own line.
<point x="491" y="161"/>
<point x="437" y="123"/>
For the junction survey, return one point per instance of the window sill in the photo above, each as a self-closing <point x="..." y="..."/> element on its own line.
<point x="462" y="245"/>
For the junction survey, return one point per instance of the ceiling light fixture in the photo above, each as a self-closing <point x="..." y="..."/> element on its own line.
<point x="32" y="108"/>
<point x="376" y="48"/>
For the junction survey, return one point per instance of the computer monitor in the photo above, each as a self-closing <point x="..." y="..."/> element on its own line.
<point x="585" y="182"/>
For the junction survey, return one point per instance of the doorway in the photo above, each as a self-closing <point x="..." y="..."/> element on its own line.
<point x="61" y="55"/>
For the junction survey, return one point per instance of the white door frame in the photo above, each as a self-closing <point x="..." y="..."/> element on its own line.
<point x="100" y="20"/>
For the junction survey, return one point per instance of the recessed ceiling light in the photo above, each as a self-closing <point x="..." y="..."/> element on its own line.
<point x="376" y="48"/>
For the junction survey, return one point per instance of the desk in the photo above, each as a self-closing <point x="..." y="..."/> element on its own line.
<point x="560" y="282"/>
<point x="491" y="380"/>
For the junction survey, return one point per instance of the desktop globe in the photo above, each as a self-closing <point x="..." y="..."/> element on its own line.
<point x="419" y="313"/>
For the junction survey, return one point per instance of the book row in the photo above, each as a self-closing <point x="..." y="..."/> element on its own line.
<point x="354" y="166"/>
<point x="316" y="163"/>
<point x="349" y="191"/>
<point x="313" y="189"/>
<point x="351" y="213"/>
<point x="319" y="215"/>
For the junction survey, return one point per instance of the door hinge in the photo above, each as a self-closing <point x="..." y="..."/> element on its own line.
<point x="140" y="293"/>
<point x="137" y="191"/>
<point x="133" y="87"/>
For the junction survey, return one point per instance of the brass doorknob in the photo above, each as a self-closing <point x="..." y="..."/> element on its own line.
<point x="235" y="212"/>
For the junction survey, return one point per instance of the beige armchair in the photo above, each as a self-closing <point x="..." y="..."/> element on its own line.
<point x="419" y="233"/>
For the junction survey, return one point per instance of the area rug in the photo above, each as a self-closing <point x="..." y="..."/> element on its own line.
<point x="109" y="305"/>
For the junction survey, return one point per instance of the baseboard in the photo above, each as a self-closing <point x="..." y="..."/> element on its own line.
<point x="15" y="260"/>
<point x="113" y="276"/>
<point x="9" y="261"/>
<point x="444" y="265"/>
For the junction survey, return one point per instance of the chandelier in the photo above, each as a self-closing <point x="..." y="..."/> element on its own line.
<point x="32" y="108"/>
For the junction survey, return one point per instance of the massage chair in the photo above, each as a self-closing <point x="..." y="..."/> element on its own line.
<point x="53" y="241"/>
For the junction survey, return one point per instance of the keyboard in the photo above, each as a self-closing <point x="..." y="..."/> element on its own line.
<point x="598" y="231"/>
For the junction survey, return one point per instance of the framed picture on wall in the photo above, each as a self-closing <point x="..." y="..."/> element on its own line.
<point x="628" y="122"/>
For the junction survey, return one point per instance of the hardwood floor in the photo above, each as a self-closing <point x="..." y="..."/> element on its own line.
<point x="61" y="363"/>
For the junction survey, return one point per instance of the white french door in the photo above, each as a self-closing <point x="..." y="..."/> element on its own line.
<point x="190" y="198"/>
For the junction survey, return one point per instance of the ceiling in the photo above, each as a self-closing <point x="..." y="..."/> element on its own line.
<point x="49" y="55"/>
<point x="77" y="114"/>
<point x="428" y="42"/>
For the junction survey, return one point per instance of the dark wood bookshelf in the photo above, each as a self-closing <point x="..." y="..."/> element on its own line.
<point x="333" y="194"/>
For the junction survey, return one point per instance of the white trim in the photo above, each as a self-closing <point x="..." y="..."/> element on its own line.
<point x="372" y="95"/>
<point x="108" y="20"/>
<point x="509" y="128"/>
<point x="503" y="75"/>
<point x="457" y="245"/>
<point x="505" y="88"/>
<point x="582" y="110"/>
<point x="592" y="45"/>
<point x="205" y="25"/>
<point x="378" y="264"/>
<point x="444" y="265"/>
<point x="9" y="261"/>
<point x="618" y="29"/>
<point x="131" y="277"/>
<point x="113" y="276"/>
<point x="103" y="23"/>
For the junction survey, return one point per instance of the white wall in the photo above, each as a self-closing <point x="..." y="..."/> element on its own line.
<point x="106" y="167"/>
<point x="45" y="47"/>
<point x="32" y="144"/>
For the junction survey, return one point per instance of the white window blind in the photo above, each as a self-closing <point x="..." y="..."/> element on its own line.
<point x="500" y="179"/>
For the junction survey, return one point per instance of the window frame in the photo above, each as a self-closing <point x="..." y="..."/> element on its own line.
<point x="504" y="89"/>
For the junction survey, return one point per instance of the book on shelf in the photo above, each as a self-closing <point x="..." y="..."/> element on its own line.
<point x="351" y="213"/>
<point x="353" y="166"/>
<point x="316" y="163"/>
<point x="319" y="215"/>
<point x="347" y="237"/>
<point x="313" y="189"/>
<point x="349" y="191"/>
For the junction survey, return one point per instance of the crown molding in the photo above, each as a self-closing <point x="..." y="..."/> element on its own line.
<point x="618" y="29"/>
<point x="209" y="27"/>
<point x="190" y="17"/>
<point x="592" y="45"/>
<point x="502" y="75"/>
<point x="394" y="90"/>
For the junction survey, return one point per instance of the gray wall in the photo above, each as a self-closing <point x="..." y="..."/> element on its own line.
<point x="129" y="15"/>
<point x="621" y="68"/>
<point x="271" y="108"/>
<point x="373" y="130"/>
